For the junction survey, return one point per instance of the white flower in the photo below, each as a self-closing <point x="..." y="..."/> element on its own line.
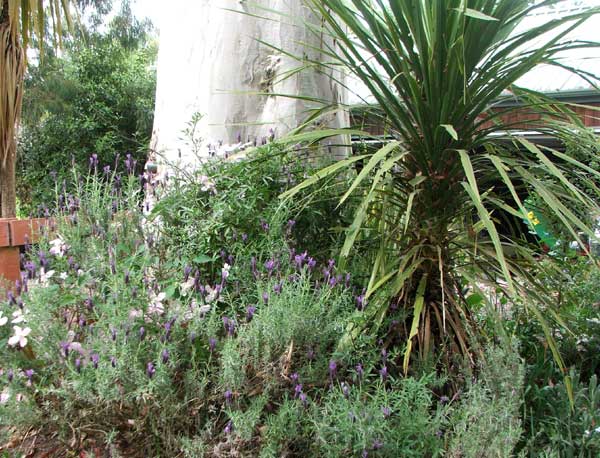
<point x="20" y="336"/>
<point x="4" y="396"/>
<point x="3" y="319"/>
<point x="156" y="305"/>
<point x="185" y="287"/>
<point x="59" y="247"/>
<point x="207" y="184"/>
<point x="18" y="317"/>
<point x="63" y="276"/>
<point x="45" y="276"/>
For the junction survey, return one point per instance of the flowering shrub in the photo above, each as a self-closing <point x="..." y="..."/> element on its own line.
<point x="207" y="333"/>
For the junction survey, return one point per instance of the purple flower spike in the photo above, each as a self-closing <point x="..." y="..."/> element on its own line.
<point x="229" y="428"/>
<point x="310" y="354"/>
<point x="270" y="265"/>
<point x="311" y="264"/>
<point x="150" y="370"/>
<point x="93" y="161"/>
<point x="165" y="356"/>
<point x="365" y="454"/>
<point x="78" y="365"/>
<point x="186" y="273"/>
<point x="113" y="334"/>
<point x="264" y="225"/>
<point x="294" y="377"/>
<point x="228" y="396"/>
<point x="359" y="371"/>
<point x="345" y="390"/>
<point x="347" y="282"/>
<point x="265" y="297"/>
<point x="278" y="287"/>
<point x="386" y="412"/>
<point x="331" y="264"/>
<point x="377" y="444"/>
<point x="384" y="373"/>
<point x="142" y="333"/>
<point x="297" y="390"/>
<point x="304" y="399"/>
<point x="361" y="301"/>
<point x="332" y="369"/>
<point x="212" y="344"/>
<point x="10" y="375"/>
<point x="113" y="361"/>
<point x="244" y="237"/>
<point x="29" y="374"/>
<point x="65" y="348"/>
<point x="95" y="358"/>
<point x="250" y="313"/>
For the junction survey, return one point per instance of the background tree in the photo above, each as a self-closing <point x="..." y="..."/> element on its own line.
<point x="97" y="97"/>
<point x="225" y="61"/>
<point x="20" y="20"/>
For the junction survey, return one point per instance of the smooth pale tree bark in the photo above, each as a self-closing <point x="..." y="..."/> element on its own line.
<point x="12" y="68"/>
<point x="211" y="61"/>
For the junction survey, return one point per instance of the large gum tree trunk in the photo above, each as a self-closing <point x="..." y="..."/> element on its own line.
<point x="12" y="70"/>
<point x="211" y="61"/>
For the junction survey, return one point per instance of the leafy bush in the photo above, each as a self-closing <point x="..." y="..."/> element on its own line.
<point x="98" y="98"/>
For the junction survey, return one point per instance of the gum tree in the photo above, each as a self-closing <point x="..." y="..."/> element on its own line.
<point x="235" y="63"/>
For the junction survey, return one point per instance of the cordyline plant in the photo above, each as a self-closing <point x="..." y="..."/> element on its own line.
<point x="443" y="201"/>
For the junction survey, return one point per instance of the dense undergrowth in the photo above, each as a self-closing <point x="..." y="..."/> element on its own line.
<point x="211" y="326"/>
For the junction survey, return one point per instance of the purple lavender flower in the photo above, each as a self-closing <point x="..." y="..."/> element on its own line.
<point x="113" y="334"/>
<point x="228" y="428"/>
<point x="383" y="355"/>
<point x="332" y="369"/>
<point x="345" y="390"/>
<point x="29" y="374"/>
<point x="278" y="287"/>
<point x="331" y="264"/>
<point x="361" y="301"/>
<point x="113" y="361"/>
<point x="377" y="444"/>
<point x="265" y="297"/>
<point x="386" y="412"/>
<point x="290" y="224"/>
<point x="10" y="375"/>
<point x="106" y="169"/>
<point x="299" y="260"/>
<point x="95" y="358"/>
<point x="270" y="265"/>
<point x="347" y="282"/>
<point x="228" y="396"/>
<point x="65" y="348"/>
<point x="193" y="337"/>
<point x="444" y="399"/>
<point x="212" y="344"/>
<point x="365" y="454"/>
<point x="11" y="298"/>
<point x="186" y="272"/>
<point x="264" y="225"/>
<point x="94" y="161"/>
<point x="244" y="237"/>
<point x="310" y="354"/>
<point x="311" y="264"/>
<point x="304" y="399"/>
<point x="165" y="356"/>
<point x="126" y="277"/>
<point x="250" y="313"/>
<point x="297" y="390"/>
<point x="78" y="364"/>
<point x="113" y="267"/>
<point x="89" y="303"/>
<point x="294" y="377"/>
<point x="150" y="369"/>
<point x="384" y="373"/>
<point x="359" y="371"/>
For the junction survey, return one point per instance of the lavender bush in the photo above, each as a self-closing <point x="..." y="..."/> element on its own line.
<point x="204" y="331"/>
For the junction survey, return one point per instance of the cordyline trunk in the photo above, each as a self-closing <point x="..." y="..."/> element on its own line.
<point x="12" y="70"/>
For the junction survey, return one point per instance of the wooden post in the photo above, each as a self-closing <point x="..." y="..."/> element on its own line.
<point x="14" y="234"/>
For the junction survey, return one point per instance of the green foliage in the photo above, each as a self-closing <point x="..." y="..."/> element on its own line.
<point x="487" y="422"/>
<point x="442" y="204"/>
<point x="98" y="98"/>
